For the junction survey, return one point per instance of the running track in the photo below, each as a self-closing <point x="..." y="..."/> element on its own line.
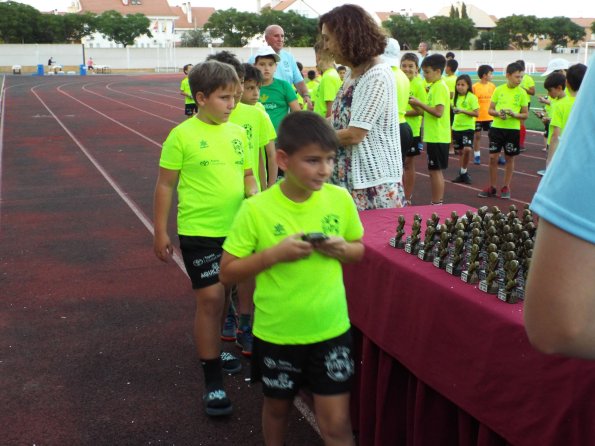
<point x="95" y="332"/>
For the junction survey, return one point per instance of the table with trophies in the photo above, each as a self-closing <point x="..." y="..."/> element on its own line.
<point x="442" y="356"/>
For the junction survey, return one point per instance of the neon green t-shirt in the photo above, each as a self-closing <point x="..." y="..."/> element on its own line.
<point x="276" y="98"/>
<point x="509" y="98"/>
<point x="256" y="123"/>
<point x="560" y="113"/>
<point x="211" y="161"/>
<point x="298" y="302"/>
<point x="451" y="83"/>
<point x="185" y="87"/>
<point x="330" y="83"/>
<point x="437" y="130"/>
<point x="527" y="82"/>
<point x="462" y="121"/>
<point x="417" y="89"/>
<point x="403" y="90"/>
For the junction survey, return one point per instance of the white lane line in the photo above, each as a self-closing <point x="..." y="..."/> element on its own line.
<point x="109" y="87"/>
<point x="131" y="204"/>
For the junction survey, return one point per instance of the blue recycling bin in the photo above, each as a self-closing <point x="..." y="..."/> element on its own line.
<point x="40" y="70"/>
<point x="82" y="70"/>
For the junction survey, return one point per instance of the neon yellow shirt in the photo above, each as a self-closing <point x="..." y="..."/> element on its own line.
<point x="437" y="130"/>
<point x="256" y="123"/>
<point x="527" y="82"/>
<point x="403" y="90"/>
<point x="185" y="87"/>
<point x="509" y="98"/>
<point x="462" y="121"/>
<point x="330" y="83"/>
<point x="451" y="83"/>
<point x="298" y="302"/>
<point x="560" y="113"/>
<point x="417" y="88"/>
<point x="211" y="162"/>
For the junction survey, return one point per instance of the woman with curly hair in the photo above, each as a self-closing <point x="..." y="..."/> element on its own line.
<point x="364" y="113"/>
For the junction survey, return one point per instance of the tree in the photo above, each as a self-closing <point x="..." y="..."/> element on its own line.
<point x="195" y="38"/>
<point x="454" y="13"/>
<point x="519" y="30"/>
<point x="409" y="31"/>
<point x="123" y="29"/>
<point x="561" y="31"/>
<point x="452" y="34"/>
<point x="235" y="28"/>
<point x="299" y="31"/>
<point x="464" y="14"/>
<point x="18" y="22"/>
<point x="488" y="40"/>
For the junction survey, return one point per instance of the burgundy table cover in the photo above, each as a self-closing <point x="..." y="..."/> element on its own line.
<point x="441" y="363"/>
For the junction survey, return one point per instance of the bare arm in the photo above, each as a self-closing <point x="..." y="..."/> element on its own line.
<point x="294" y="106"/>
<point x="329" y="106"/>
<point x="262" y="172"/>
<point x="553" y="144"/>
<point x="272" y="167"/>
<point x="351" y="136"/>
<point x="560" y="298"/>
<point x="250" y="187"/>
<point x="302" y="89"/>
<point x="342" y="250"/>
<point x="162" y="200"/>
<point x="434" y="111"/>
<point x="474" y="113"/>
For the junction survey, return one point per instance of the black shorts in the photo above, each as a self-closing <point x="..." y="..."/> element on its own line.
<point x="325" y="367"/>
<point x="190" y="109"/>
<point x="437" y="155"/>
<point x="201" y="258"/>
<point x="507" y="139"/>
<point x="462" y="138"/>
<point x="416" y="147"/>
<point x="483" y="125"/>
<point x="406" y="138"/>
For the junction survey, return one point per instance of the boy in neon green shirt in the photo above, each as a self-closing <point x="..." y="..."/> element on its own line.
<point x="509" y="105"/>
<point x="206" y="157"/>
<point x="561" y="109"/>
<point x="330" y="82"/>
<point x="436" y="122"/>
<point x="189" y="104"/>
<point x="293" y="238"/>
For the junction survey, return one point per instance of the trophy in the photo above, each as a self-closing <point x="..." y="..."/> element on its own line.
<point x="471" y="274"/>
<point x="453" y="266"/>
<point x="412" y="245"/>
<point x="440" y="260"/>
<point x="508" y="293"/>
<point x="490" y="283"/>
<point x="425" y="252"/>
<point x="397" y="240"/>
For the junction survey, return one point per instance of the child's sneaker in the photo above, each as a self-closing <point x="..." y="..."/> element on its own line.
<point x="462" y="178"/>
<point x="244" y="340"/>
<point x="230" y="326"/>
<point x="505" y="193"/>
<point x="477" y="160"/>
<point x="501" y="160"/>
<point x="217" y="403"/>
<point x="230" y="364"/>
<point x="488" y="192"/>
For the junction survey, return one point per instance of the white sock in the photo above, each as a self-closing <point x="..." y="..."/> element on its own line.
<point x="463" y="171"/>
<point x="476" y="153"/>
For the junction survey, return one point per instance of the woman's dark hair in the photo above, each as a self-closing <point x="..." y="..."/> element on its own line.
<point x="356" y="32"/>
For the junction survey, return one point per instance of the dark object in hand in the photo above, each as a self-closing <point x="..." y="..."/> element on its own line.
<point x="314" y="237"/>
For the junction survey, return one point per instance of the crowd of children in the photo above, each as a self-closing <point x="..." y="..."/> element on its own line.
<point x="282" y="249"/>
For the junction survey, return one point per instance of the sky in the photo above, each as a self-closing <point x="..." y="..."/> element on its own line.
<point x="499" y="8"/>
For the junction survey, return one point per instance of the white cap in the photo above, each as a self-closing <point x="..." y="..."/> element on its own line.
<point x="392" y="53"/>
<point x="555" y="65"/>
<point x="266" y="50"/>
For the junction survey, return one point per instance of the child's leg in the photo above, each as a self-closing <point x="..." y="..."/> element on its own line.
<point x="508" y="170"/>
<point x="332" y="415"/>
<point x="246" y="309"/>
<point x="437" y="185"/>
<point x="409" y="177"/>
<point x="210" y="303"/>
<point x="494" y="168"/>
<point x="477" y="143"/>
<point x="275" y="414"/>
<point x="466" y="157"/>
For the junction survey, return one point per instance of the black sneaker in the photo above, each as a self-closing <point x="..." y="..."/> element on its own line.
<point x="462" y="178"/>
<point x="230" y="364"/>
<point x="244" y="340"/>
<point x="217" y="403"/>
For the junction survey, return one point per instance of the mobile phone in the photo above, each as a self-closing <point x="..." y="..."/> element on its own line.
<point x="314" y="237"/>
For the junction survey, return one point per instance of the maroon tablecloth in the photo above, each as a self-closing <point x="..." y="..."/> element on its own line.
<point x="432" y="346"/>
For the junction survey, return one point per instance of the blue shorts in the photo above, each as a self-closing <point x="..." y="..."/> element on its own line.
<point x="325" y="367"/>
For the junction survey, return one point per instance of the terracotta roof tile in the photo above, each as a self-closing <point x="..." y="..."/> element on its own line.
<point x="147" y="7"/>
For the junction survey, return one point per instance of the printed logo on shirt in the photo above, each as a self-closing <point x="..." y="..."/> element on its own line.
<point x="203" y="144"/>
<point x="238" y="147"/>
<point x="330" y="224"/>
<point x="279" y="230"/>
<point x="204" y="163"/>
<point x="264" y="97"/>
<point x="249" y="131"/>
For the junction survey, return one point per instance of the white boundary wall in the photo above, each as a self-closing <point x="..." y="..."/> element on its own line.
<point x="169" y="59"/>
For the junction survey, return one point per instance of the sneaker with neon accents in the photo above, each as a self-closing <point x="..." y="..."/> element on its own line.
<point x="505" y="193"/>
